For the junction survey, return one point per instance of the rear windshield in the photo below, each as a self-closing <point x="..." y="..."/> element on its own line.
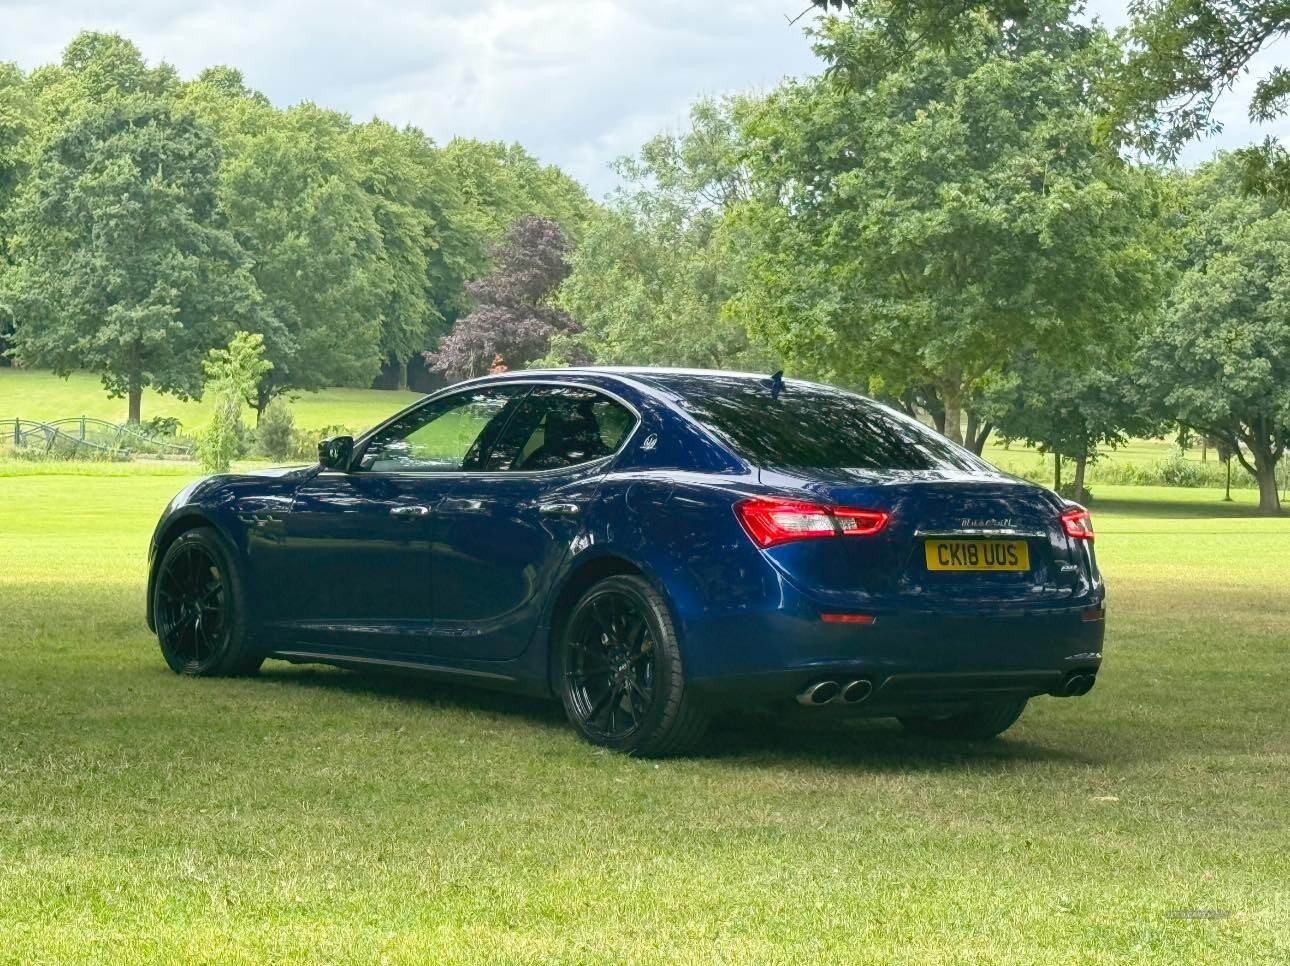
<point x="810" y="426"/>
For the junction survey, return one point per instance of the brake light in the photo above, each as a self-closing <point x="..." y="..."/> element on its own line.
<point x="1078" y="524"/>
<point x="770" y="521"/>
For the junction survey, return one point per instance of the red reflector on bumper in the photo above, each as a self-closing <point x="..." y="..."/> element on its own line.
<point x="1095" y="614"/>
<point x="848" y="618"/>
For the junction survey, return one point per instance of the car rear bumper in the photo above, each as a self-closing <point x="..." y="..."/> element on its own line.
<point x="912" y="662"/>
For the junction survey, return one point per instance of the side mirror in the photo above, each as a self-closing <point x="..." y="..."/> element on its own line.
<point x="335" y="453"/>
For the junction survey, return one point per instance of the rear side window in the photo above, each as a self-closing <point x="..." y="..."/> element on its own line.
<point x="809" y="426"/>
<point x="559" y="426"/>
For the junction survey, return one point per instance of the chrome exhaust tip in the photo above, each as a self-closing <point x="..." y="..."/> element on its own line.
<point x="857" y="691"/>
<point x="819" y="693"/>
<point x="1078" y="684"/>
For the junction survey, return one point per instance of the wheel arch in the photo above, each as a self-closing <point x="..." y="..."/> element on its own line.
<point x="187" y="519"/>
<point x="581" y="576"/>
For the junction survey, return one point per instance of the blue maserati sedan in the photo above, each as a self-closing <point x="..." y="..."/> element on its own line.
<point x="652" y="547"/>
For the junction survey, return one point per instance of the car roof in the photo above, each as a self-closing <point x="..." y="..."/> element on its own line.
<point x="630" y="371"/>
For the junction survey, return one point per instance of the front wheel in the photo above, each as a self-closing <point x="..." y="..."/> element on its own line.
<point x="620" y="671"/>
<point x="977" y="725"/>
<point x="199" y="608"/>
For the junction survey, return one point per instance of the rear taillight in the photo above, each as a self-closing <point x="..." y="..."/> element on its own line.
<point x="770" y="522"/>
<point x="1078" y="524"/>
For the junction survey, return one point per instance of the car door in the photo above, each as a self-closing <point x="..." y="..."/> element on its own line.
<point x="502" y="533"/>
<point x="357" y="574"/>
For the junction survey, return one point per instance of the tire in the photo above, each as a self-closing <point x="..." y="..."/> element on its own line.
<point x="981" y="724"/>
<point x="199" y="608"/>
<point x="621" y="678"/>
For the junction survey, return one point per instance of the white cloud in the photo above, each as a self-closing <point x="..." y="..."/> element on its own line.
<point x="578" y="82"/>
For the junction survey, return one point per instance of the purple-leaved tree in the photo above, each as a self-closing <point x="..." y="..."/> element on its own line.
<point x="513" y="320"/>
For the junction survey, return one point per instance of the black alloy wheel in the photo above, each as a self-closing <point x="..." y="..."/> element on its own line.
<point x="611" y="665"/>
<point x="197" y="608"/>
<point x="622" y="682"/>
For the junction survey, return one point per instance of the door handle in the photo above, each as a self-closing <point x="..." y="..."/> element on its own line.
<point x="409" y="511"/>
<point x="462" y="505"/>
<point x="558" y="509"/>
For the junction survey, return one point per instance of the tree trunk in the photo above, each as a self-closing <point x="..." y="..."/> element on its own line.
<point x="969" y="435"/>
<point x="977" y="440"/>
<point x="1227" y="494"/>
<point x="262" y="399"/>
<point x="1265" y="471"/>
<point x="952" y="395"/>
<point x="1057" y="471"/>
<point x="401" y="371"/>
<point x="136" y="398"/>
<point x="1081" y="462"/>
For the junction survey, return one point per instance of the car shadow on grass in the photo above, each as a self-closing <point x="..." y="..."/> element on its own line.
<point x="753" y="738"/>
<point x="871" y="744"/>
<point x="415" y="687"/>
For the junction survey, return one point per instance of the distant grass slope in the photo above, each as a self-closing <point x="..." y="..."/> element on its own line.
<point x="318" y="815"/>
<point x="41" y="396"/>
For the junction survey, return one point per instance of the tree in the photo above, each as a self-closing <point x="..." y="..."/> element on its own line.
<point x="513" y="320"/>
<point x="1070" y="408"/>
<point x="1182" y="56"/>
<point x="501" y="183"/>
<point x="123" y="262"/>
<point x="917" y="219"/>
<point x="291" y="188"/>
<point x="1218" y="357"/>
<point x="1185" y="54"/>
<point x="428" y="244"/>
<point x="17" y="121"/>
<point x="652" y="275"/>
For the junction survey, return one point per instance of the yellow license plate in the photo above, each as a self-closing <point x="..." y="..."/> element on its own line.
<point x="977" y="555"/>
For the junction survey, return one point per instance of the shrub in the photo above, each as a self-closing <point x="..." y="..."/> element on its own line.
<point x="161" y="427"/>
<point x="1084" y="495"/>
<point x="276" y="432"/>
<point x="231" y="375"/>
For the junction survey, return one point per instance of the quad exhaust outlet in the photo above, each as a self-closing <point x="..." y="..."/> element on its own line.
<point x="826" y="692"/>
<point x="1077" y="684"/>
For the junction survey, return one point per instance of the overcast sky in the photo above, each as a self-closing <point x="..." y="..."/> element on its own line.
<point x="578" y="82"/>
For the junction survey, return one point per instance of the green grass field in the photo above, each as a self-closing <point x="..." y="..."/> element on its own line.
<point x="318" y="814"/>
<point x="41" y="396"/>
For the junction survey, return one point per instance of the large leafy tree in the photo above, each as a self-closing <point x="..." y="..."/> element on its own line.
<point x="291" y="185"/>
<point x="1070" y="408"/>
<point x="501" y="183"/>
<point x="17" y="122"/>
<point x="513" y="320"/>
<point x="653" y="274"/>
<point x="1218" y="357"/>
<point x="429" y="245"/>
<point x="1182" y="56"/>
<point x="917" y="219"/>
<point x="1185" y="54"/>
<point x="123" y="262"/>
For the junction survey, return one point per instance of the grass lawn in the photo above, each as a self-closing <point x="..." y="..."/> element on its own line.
<point x="320" y="814"/>
<point x="42" y="396"/>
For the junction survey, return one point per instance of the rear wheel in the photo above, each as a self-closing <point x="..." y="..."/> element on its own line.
<point x="199" y="609"/>
<point x="620" y="671"/>
<point x="976" y="725"/>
